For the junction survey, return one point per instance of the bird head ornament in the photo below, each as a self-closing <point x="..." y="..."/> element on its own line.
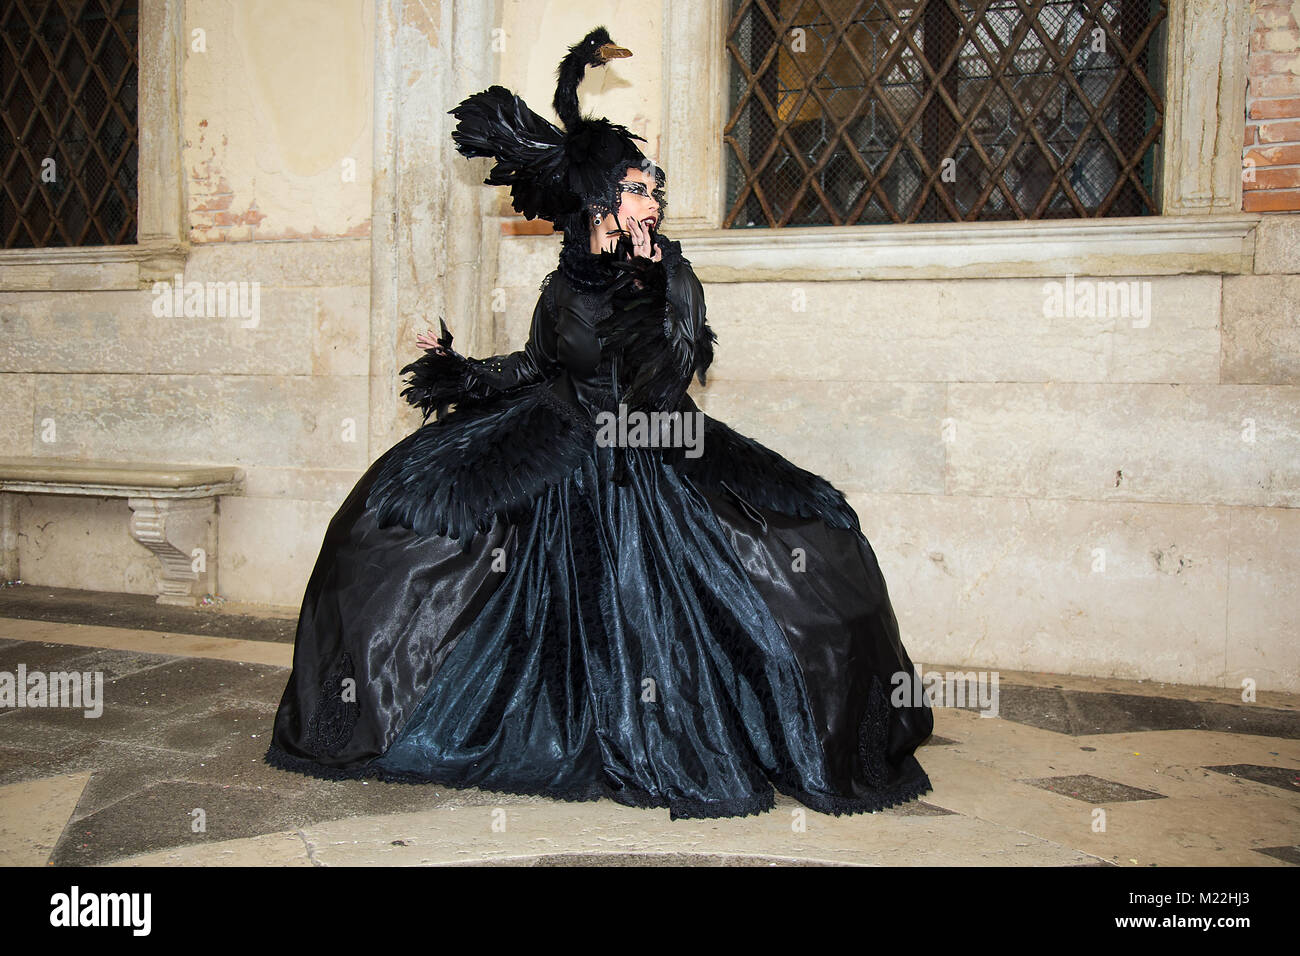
<point x="555" y="172"/>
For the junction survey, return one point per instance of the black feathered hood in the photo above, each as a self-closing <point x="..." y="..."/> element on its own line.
<point x="554" y="173"/>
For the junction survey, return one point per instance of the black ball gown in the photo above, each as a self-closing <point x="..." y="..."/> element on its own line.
<point x="520" y="597"/>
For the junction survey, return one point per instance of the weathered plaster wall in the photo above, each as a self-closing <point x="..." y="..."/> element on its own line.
<point x="277" y="118"/>
<point x="275" y="96"/>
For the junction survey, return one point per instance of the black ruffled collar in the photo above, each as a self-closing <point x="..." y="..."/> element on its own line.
<point x="588" y="272"/>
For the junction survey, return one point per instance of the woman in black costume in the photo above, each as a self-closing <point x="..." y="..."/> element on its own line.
<point x="522" y="596"/>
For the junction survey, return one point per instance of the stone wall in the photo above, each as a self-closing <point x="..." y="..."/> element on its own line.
<point x="1107" y="494"/>
<point x="1102" y="494"/>
<point x="96" y="375"/>
<point x="275" y="181"/>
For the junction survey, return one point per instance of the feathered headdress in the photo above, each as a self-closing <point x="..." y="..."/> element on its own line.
<point x="552" y="173"/>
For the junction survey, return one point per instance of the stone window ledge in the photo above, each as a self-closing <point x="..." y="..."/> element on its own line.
<point x="92" y="268"/>
<point x="1147" y="245"/>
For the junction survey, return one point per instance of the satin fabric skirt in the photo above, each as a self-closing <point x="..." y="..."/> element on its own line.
<point x="640" y="641"/>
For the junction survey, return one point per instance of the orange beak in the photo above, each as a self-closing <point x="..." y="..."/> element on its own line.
<point x="612" y="51"/>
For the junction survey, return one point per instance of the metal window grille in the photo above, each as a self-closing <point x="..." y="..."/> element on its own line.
<point x="68" y="122"/>
<point x="883" y="111"/>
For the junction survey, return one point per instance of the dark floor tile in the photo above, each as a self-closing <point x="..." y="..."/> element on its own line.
<point x="137" y="612"/>
<point x="219" y="727"/>
<point x="1101" y="713"/>
<point x="53" y="726"/>
<point x="205" y="726"/>
<point x="267" y="689"/>
<point x="123" y="773"/>
<point x="114" y="663"/>
<point x="183" y="681"/>
<point x="1252" y="719"/>
<point x="1287" y="854"/>
<point x="934" y="740"/>
<point x="1081" y="713"/>
<point x="1098" y="713"/>
<point x="159" y="818"/>
<point x="1281" y="777"/>
<point x="919" y="808"/>
<point x="46" y="656"/>
<point x="241" y="765"/>
<point x="18" y="763"/>
<point x="1041" y="707"/>
<point x="1090" y="789"/>
<point x="335" y="799"/>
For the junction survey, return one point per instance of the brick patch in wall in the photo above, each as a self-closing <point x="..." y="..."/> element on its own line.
<point x="1271" y="156"/>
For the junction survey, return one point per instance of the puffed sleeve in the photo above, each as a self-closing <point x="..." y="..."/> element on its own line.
<point x="532" y="363"/>
<point x="440" y="380"/>
<point x="686" y="296"/>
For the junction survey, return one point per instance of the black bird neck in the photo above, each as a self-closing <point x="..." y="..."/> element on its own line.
<point x="572" y="69"/>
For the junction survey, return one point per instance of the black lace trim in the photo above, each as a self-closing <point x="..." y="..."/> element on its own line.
<point x="585" y="271"/>
<point x="678" y="809"/>
<point x="331" y="724"/>
<point x="901" y="792"/>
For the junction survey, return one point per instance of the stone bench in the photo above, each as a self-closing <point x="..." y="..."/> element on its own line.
<point x="173" y="512"/>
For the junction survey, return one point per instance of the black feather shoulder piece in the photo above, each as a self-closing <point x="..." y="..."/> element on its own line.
<point x="529" y="150"/>
<point x="455" y="476"/>
<point x="760" y="476"/>
<point x="652" y="352"/>
<point x="689" y="294"/>
<point x="552" y="173"/>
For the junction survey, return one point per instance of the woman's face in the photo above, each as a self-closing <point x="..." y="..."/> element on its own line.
<point x="637" y="203"/>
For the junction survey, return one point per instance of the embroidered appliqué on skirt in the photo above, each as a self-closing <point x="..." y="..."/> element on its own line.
<point x="873" y="735"/>
<point x="331" y="724"/>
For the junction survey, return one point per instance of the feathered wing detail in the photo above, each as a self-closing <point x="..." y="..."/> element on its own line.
<point x="704" y="352"/>
<point x="529" y="151"/>
<point x="453" y="476"/>
<point x="733" y="463"/>
<point x="439" y="381"/>
<point x="653" y="351"/>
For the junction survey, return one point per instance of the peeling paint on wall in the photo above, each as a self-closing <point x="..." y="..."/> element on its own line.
<point x="278" y="119"/>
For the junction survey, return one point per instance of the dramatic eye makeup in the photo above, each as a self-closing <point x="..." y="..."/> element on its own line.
<point x="637" y="189"/>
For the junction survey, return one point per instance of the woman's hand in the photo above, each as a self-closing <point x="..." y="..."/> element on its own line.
<point x="641" y="245"/>
<point x="429" y="342"/>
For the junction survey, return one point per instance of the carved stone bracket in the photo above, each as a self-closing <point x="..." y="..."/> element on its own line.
<point x="182" y="533"/>
<point x="8" y="537"/>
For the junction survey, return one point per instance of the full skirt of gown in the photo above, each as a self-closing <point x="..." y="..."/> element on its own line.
<point x="626" y="633"/>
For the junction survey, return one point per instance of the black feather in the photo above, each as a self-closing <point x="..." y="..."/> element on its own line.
<point x="440" y="380"/>
<point x="732" y="462"/>
<point x="454" y="476"/>
<point x="572" y="69"/>
<point x="529" y="151"/>
<point x="704" y="352"/>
